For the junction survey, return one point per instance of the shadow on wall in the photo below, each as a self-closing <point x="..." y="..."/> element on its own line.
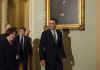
<point x="36" y="57"/>
<point x="68" y="51"/>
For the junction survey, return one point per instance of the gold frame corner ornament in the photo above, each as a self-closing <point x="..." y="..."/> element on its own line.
<point x="79" y="26"/>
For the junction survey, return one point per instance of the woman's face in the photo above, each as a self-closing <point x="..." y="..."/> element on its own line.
<point x="12" y="36"/>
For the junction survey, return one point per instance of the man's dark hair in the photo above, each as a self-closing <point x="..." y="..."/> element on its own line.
<point x="22" y="28"/>
<point x="11" y="31"/>
<point x="54" y="19"/>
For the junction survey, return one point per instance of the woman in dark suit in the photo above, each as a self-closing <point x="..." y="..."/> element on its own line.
<point x="8" y="51"/>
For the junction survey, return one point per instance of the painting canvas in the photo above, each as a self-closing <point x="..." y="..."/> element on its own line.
<point x="69" y="13"/>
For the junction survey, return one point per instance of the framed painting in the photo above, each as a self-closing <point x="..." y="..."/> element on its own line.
<point x="70" y="14"/>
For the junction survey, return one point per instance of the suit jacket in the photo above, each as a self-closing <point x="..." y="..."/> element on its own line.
<point x="7" y="55"/>
<point x="27" y="46"/>
<point x="48" y="48"/>
<point x="3" y="36"/>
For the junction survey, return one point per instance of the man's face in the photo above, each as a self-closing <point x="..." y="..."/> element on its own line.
<point x="52" y="24"/>
<point x="21" y="32"/>
<point x="12" y="36"/>
<point x="8" y="26"/>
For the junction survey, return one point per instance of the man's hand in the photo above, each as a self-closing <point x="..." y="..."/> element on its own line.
<point x="64" y="60"/>
<point x="17" y="57"/>
<point x="43" y="63"/>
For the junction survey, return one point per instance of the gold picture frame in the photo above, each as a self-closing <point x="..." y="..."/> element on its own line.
<point x="81" y="17"/>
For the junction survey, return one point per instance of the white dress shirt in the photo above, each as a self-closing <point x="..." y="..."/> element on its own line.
<point x="20" y="37"/>
<point x="55" y="34"/>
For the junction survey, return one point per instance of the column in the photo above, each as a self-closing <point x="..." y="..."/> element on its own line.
<point x="31" y="27"/>
<point x="36" y="23"/>
<point x="16" y="15"/>
<point x="4" y="14"/>
<point x="26" y="16"/>
<point x="0" y="14"/>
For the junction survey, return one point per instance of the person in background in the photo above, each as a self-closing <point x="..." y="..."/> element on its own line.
<point x="8" y="51"/>
<point x="51" y="49"/>
<point x="25" y="48"/>
<point x="3" y="36"/>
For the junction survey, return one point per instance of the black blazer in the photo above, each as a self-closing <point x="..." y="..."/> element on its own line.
<point x="7" y="55"/>
<point x="3" y="36"/>
<point x="27" y="46"/>
<point x="48" y="48"/>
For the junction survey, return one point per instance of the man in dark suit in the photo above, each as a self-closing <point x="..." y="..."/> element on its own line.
<point x="25" y="48"/>
<point x="3" y="36"/>
<point x="51" y="48"/>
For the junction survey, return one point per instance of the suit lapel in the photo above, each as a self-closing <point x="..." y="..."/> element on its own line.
<point x="52" y="35"/>
<point x="58" y="34"/>
<point x="25" y="41"/>
<point x="18" y="39"/>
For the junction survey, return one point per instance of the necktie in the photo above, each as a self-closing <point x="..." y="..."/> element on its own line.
<point x="54" y="35"/>
<point x="22" y="42"/>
